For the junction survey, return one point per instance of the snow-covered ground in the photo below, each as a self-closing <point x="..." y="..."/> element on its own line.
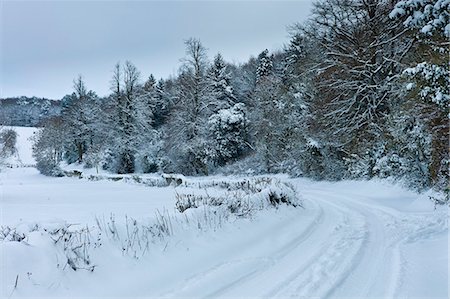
<point x="350" y="240"/>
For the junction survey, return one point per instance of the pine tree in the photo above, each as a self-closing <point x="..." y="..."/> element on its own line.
<point x="219" y="86"/>
<point x="265" y="65"/>
<point x="228" y="134"/>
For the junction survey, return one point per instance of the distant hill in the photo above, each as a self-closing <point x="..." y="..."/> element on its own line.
<point x="27" y="112"/>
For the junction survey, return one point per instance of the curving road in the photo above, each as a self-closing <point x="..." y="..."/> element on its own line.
<point x="344" y="244"/>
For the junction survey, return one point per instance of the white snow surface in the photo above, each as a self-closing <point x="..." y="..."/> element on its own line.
<point x="352" y="239"/>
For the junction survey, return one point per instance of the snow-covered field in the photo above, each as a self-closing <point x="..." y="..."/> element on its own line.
<point x="349" y="240"/>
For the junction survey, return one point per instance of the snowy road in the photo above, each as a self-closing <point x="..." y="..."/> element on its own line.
<point x="347" y="245"/>
<point x="351" y="240"/>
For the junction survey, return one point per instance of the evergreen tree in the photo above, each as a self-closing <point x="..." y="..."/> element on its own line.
<point x="220" y="90"/>
<point x="427" y="78"/>
<point x="228" y="130"/>
<point x="265" y="65"/>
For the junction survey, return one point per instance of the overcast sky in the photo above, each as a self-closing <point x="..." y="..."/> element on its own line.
<point x="45" y="44"/>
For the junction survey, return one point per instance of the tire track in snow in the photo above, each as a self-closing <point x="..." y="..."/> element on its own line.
<point x="282" y="253"/>
<point x="325" y="250"/>
<point x="399" y="228"/>
<point x="369" y="263"/>
<point x="318" y="243"/>
<point x="267" y="262"/>
<point x="350" y="248"/>
<point x="313" y="278"/>
<point x="377" y="271"/>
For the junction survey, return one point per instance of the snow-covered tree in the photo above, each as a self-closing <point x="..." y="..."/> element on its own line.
<point x="360" y="54"/>
<point x="227" y="132"/>
<point x="427" y="16"/>
<point x="186" y="130"/>
<point x="8" y="140"/>
<point x="79" y="113"/>
<point x="220" y="91"/>
<point x="132" y="118"/>
<point x="265" y="65"/>
<point x="428" y="75"/>
<point x="49" y="147"/>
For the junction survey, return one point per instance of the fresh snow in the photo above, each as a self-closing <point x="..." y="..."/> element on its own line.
<point x="351" y="239"/>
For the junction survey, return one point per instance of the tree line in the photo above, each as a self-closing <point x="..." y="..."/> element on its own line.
<point x="361" y="90"/>
<point x="27" y="111"/>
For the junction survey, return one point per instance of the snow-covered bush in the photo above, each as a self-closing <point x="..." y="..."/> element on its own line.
<point x="249" y="165"/>
<point x="321" y="161"/>
<point x="412" y="143"/>
<point x="8" y="139"/>
<point x="8" y="234"/>
<point x="388" y="166"/>
<point x="242" y="197"/>
<point x="74" y="243"/>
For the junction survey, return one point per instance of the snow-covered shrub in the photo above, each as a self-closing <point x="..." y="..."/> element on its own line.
<point x="8" y="139"/>
<point x="74" y="243"/>
<point x="148" y="164"/>
<point x="242" y="197"/>
<point x="248" y="185"/>
<point x="193" y="201"/>
<point x="73" y="173"/>
<point x="249" y="165"/>
<point x="362" y="166"/>
<point x="135" y="238"/>
<point x="276" y="198"/>
<point x="321" y="161"/>
<point x="8" y="234"/>
<point x="149" y="154"/>
<point x="358" y="167"/>
<point x="388" y="166"/>
<point x="412" y="143"/>
<point x="149" y="182"/>
<point x="442" y="199"/>
<point x="291" y="166"/>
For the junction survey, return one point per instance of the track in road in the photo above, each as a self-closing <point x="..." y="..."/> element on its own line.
<point x="348" y="247"/>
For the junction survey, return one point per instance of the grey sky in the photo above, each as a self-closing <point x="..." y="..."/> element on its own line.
<point x="44" y="45"/>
